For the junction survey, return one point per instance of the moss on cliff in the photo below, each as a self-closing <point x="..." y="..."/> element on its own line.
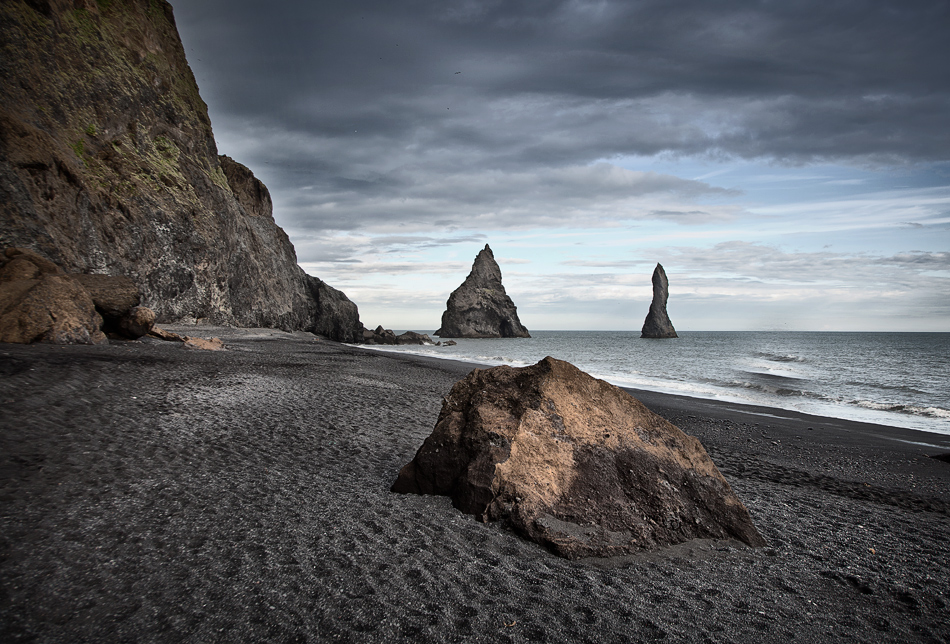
<point x="68" y="70"/>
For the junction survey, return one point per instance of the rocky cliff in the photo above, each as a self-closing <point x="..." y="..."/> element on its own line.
<point x="480" y="307"/>
<point x="108" y="165"/>
<point x="657" y="323"/>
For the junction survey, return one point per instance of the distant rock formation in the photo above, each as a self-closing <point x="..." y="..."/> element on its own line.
<point x="379" y="336"/>
<point x="387" y="336"/>
<point x="411" y="337"/>
<point x="480" y="308"/>
<point x="657" y="323"/>
<point x="108" y="165"/>
<point x="573" y="463"/>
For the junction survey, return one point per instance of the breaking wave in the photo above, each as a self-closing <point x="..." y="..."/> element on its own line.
<point x="928" y="412"/>
<point x="773" y="357"/>
<point x="844" y="375"/>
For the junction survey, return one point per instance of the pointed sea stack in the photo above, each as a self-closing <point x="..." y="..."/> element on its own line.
<point x="480" y="308"/>
<point x="657" y="324"/>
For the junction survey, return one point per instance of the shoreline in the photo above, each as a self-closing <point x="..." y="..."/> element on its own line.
<point x="942" y="440"/>
<point x="762" y="427"/>
<point x="765" y="369"/>
<point x="158" y="494"/>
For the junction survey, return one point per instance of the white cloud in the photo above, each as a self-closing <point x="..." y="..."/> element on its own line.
<point x="868" y="210"/>
<point x="592" y="196"/>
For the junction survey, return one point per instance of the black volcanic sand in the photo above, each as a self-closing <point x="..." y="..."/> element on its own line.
<point x="153" y="493"/>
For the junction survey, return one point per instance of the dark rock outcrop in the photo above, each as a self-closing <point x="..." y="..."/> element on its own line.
<point x="657" y="323"/>
<point x="574" y="463"/>
<point x="52" y="308"/>
<point x="480" y="307"/>
<point x="379" y="336"/>
<point x="387" y="336"/>
<point x="330" y="312"/>
<point x="411" y="337"/>
<point x="108" y="165"/>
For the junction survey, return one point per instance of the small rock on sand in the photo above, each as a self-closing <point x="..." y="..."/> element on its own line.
<point x="206" y="344"/>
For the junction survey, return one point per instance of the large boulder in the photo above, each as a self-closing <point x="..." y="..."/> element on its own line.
<point x="137" y="322"/>
<point x="50" y="308"/>
<point x="480" y="307"/>
<point x="19" y="268"/>
<point x="657" y="323"/>
<point x="573" y="463"/>
<point x="56" y="310"/>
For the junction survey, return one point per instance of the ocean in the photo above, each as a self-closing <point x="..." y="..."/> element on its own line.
<point x="895" y="379"/>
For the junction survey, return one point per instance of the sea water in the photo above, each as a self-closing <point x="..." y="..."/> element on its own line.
<point x="896" y="379"/>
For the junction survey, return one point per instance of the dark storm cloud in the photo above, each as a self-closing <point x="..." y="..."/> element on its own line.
<point x="380" y="99"/>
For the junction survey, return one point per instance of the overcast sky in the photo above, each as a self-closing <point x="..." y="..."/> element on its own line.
<point x="787" y="162"/>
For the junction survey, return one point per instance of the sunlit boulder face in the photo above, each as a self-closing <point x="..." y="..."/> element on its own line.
<point x="573" y="463"/>
<point x="657" y="324"/>
<point x="480" y="307"/>
<point x="108" y="165"/>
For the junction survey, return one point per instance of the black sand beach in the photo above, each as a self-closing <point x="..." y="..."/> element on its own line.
<point x="150" y="493"/>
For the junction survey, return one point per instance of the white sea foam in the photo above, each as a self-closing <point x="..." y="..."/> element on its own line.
<point x="889" y="379"/>
<point x="783" y="358"/>
<point x="932" y="412"/>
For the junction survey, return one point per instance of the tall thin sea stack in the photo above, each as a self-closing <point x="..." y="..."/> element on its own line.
<point x="657" y="323"/>
<point x="480" y="307"/>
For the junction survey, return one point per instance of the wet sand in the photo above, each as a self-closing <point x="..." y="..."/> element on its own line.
<point x="150" y="493"/>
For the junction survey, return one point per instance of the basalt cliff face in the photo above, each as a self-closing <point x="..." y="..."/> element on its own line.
<point x="657" y="323"/>
<point x="108" y="165"/>
<point x="480" y="307"/>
